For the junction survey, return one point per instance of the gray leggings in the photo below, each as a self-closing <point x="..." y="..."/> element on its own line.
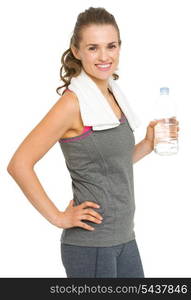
<point x="98" y="262"/>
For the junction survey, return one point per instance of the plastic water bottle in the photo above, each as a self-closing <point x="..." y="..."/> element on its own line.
<point x="165" y="141"/>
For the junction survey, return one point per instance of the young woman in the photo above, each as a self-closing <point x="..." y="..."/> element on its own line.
<point x="98" y="238"/>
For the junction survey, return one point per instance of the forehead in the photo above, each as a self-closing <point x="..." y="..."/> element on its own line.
<point x="95" y="34"/>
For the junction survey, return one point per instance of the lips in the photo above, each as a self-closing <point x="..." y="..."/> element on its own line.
<point x="104" y="67"/>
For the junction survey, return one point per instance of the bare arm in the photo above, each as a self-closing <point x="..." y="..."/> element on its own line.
<point x="55" y="123"/>
<point x="140" y="150"/>
<point x="146" y="146"/>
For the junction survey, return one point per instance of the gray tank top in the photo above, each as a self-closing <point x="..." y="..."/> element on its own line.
<point x="101" y="169"/>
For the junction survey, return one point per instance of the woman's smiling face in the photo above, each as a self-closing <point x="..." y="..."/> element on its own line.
<point x="99" y="51"/>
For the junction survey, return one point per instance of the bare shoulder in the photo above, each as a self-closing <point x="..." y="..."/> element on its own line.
<point x="68" y="110"/>
<point x="69" y="103"/>
<point x="77" y="123"/>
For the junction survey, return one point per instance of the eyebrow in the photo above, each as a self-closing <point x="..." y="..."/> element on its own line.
<point x="98" y="45"/>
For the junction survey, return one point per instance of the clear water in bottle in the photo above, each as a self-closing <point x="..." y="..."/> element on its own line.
<point x="165" y="137"/>
<point x="165" y="141"/>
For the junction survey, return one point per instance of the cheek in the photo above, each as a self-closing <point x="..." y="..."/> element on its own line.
<point x="116" y="54"/>
<point x="92" y="57"/>
<point x="115" y="59"/>
<point x="89" y="58"/>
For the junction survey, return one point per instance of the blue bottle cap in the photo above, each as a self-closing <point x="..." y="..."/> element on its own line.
<point x="164" y="91"/>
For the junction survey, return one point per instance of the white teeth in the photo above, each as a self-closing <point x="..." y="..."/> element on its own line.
<point x="104" y="66"/>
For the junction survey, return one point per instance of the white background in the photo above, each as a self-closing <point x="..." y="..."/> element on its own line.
<point x="156" y="49"/>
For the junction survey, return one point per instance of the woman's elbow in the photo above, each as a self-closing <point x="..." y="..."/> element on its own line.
<point x="16" y="166"/>
<point x="12" y="167"/>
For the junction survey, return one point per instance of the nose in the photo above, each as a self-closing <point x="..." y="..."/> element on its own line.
<point x="103" y="55"/>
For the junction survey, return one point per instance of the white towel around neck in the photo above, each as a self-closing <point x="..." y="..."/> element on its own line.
<point x="94" y="107"/>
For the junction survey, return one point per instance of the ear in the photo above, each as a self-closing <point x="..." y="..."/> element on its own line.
<point x="75" y="52"/>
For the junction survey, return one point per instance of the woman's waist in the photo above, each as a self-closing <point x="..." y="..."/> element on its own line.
<point x="113" y="229"/>
<point x="112" y="206"/>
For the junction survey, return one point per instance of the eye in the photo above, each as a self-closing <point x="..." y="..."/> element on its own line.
<point x="92" y="48"/>
<point x="112" y="46"/>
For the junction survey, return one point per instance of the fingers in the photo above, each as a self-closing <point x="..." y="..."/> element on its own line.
<point x="93" y="213"/>
<point x="174" y="122"/>
<point x="89" y="214"/>
<point x="71" y="203"/>
<point x="153" y="123"/>
<point x="85" y="226"/>
<point x="91" y="218"/>
<point x="89" y="203"/>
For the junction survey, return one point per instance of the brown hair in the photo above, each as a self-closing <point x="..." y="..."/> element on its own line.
<point x="71" y="65"/>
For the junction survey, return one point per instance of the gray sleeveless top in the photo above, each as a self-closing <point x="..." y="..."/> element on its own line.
<point x="101" y="169"/>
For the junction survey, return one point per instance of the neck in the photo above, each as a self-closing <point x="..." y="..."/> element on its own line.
<point x="103" y="88"/>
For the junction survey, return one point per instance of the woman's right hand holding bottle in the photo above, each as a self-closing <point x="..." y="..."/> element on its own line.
<point x="73" y="215"/>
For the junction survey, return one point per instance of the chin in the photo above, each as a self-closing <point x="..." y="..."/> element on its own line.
<point x="104" y="76"/>
<point x="101" y="75"/>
